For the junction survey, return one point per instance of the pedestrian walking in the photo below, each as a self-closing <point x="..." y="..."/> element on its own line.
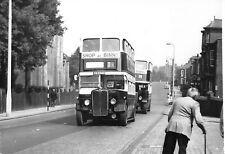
<point x="180" y="122"/>
<point x="53" y="97"/>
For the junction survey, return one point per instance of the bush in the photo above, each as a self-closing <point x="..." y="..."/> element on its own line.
<point x="37" y="89"/>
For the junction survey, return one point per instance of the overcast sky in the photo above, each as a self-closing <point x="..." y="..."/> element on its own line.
<point x="147" y="24"/>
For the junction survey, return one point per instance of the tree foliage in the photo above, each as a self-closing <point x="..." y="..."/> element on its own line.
<point x="158" y="73"/>
<point x="3" y="42"/>
<point x="35" y="23"/>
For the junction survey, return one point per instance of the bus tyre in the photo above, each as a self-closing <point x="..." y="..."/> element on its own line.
<point x="80" y="118"/>
<point x="149" y="107"/>
<point x="134" y="115"/>
<point x="123" y="118"/>
<point x="144" y="109"/>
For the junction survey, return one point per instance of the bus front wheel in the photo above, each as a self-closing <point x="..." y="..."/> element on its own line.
<point x="80" y="118"/>
<point x="144" y="108"/>
<point x="123" y="118"/>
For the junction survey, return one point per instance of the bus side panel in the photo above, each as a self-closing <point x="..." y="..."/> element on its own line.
<point x="131" y="101"/>
<point x="127" y="64"/>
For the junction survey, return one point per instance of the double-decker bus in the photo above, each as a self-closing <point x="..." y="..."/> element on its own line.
<point x="106" y="80"/>
<point x="143" y="70"/>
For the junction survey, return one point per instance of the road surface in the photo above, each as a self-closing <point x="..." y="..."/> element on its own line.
<point x="58" y="132"/>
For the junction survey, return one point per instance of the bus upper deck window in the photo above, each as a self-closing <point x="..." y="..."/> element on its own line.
<point x="91" y="45"/>
<point x="110" y="44"/>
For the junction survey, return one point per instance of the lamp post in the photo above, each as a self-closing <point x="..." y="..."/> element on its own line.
<point x="173" y="68"/>
<point x="9" y="94"/>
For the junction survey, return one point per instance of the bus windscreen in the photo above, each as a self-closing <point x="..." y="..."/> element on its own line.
<point x="89" y="81"/>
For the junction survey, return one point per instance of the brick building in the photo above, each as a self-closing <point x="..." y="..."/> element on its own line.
<point x="204" y="71"/>
<point x="211" y="58"/>
<point x="189" y="72"/>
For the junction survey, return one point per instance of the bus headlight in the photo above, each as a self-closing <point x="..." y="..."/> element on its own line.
<point x="140" y="98"/>
<point x="113" y="101"/>
<point x="87" y="102"/>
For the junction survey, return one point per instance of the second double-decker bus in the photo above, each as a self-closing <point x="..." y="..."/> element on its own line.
<point x="143" y="70"/>
<point x="106" y="80"/>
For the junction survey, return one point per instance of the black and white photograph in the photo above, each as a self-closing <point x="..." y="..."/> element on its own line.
<point x="111" y="76"/>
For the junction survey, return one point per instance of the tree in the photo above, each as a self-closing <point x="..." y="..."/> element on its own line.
<point x="158" y="73"/>
<point x="74" y="62"/>
<point x="35" y="23"/>
<point x="3" y="42"/>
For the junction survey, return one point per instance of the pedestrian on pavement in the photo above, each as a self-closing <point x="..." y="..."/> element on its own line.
<point x="180" y="122"/>
<point x="53" y="97"/>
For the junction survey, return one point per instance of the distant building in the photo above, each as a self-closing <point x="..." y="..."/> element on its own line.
<point x="211" y="58"/>
<point x="188" y="75"/>
<point x="184" y="74"/>
<point x="55" y="71"/>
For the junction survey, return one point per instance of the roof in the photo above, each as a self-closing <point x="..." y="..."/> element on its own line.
<point x="216" y="23"/>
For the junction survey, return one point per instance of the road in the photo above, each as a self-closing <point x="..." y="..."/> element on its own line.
<point x="58" y="132"/>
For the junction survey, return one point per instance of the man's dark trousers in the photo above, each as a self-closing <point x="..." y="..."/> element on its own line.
<point x="170" y="143"/>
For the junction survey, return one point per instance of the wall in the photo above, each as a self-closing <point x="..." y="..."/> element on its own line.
<point x="215" y="35"/>
<point x="219" y="73"/>
<point x="34" y="99"/>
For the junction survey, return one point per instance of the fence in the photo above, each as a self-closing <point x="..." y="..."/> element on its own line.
<point x="34" y="99"/>
<point x="2" y="100"/>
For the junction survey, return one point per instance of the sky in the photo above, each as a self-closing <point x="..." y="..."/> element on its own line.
<point x="147" y="24"/>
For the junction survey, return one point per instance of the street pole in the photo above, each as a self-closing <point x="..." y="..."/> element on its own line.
<point x="173" y="69"/>
<point x="173" y="78"/>
<point x="9" y="93"/>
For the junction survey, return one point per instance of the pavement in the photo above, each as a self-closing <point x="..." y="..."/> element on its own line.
<point x="34" y="111"/>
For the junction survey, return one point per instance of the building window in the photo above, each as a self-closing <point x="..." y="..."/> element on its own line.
<point x="191" y="70"/>
<point x="211" y="58"/>
<point x="182" y="81"/>
<point x="198" y="68"/>
<point x="210" y="86"/>
<point x="182" y="73"/>
<point x="207" y="37"/>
